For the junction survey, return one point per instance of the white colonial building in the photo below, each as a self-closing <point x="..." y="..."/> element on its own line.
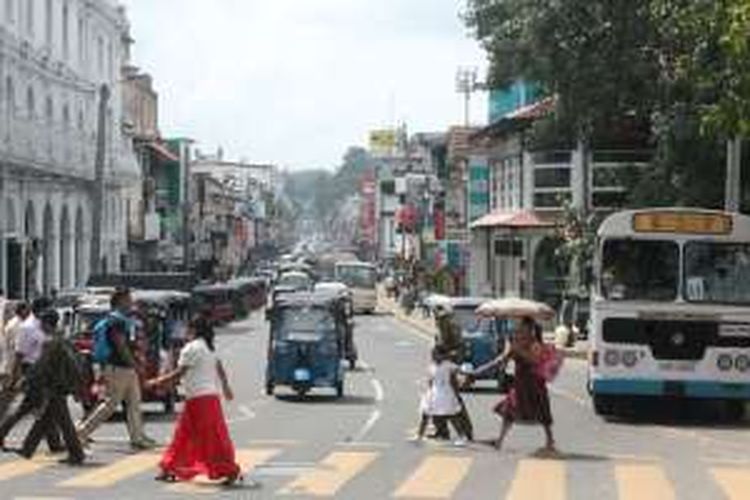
<point x="55" y="56"/>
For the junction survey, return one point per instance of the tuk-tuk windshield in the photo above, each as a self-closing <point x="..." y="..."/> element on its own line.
<point x="308" y="324"/>
<point x="473" y="325"/>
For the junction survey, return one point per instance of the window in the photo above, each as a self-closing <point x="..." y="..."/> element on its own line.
<point x="9" y="12"/>
<point x="30" y="102"/>
<point x="65" y="31"/>
<point x="100" y="54"/>
<point x="717" y="272"/>
<point x="49" y="110"/>
<point x="48" y="19"/>
<point x="552" y="177"/>
<point x="551" y="200"/>
<point x="66" y="115"/>
<point x="30" y="17"/>
<point x="10" y="94"/>
<point x="81" y="40"/>
<point x="640" y="270"/>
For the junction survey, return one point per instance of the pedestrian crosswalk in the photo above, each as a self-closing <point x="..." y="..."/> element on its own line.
<point x="431" y="473"/>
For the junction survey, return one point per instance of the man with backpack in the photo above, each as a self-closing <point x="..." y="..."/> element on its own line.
<point x="112" y="338"/>
<point x="56" y="375"/>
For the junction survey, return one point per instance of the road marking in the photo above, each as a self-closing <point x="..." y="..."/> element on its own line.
<point x="245" y="415"/>
<point x="642" y="482"/>
<point x="334" y="472"/>
<point x="734" y="481"/>
<point x="367" y="427"/>
<point x="18" y="468"/>
<point x="363" y="444"/>
<point x="248" y="460"/>
<point x="379" y="392"/>
<point x="538" y="479"/>
<point x="436" y="477"/>
<point x="111" y="474"/>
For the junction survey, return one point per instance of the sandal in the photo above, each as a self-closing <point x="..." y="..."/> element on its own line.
<point x="166" y="477"/>
<point x="233" y="479"/>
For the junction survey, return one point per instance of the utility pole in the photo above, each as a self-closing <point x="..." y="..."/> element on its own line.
<point x="733" y="192"/>
<point x="186" y="202"/>
<point x="95" y="259"/>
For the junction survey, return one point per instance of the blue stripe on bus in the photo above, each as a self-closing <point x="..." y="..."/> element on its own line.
<point x="692" y="389"/>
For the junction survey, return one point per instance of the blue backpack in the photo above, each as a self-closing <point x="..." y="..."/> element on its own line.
<point x="102" y="346"/>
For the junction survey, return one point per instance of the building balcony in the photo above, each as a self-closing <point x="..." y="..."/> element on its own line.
<point x="51" y="148"/>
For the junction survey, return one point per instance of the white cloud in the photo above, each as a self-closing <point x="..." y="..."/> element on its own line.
<point x="297" y="81"/>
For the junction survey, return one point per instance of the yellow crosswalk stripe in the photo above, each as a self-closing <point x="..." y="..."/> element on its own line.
<point x="248" y="460"/>
<point x="113" y="473"/>
<point x="331" y="475"/>
<point x="539" y="479"/>
<point x="734" y="481"/>
<point x="642" y="482"/>
<point x="18" y="468"/>
<point x="436" y="477"/>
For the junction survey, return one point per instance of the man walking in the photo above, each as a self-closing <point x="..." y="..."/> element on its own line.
<point x="8" y="341"/>
<point x="120" y="377"/>
<point x="28" y="350"/>
<point x="56" y="375"/>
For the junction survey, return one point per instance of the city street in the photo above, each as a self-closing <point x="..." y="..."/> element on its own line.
<point x="358" y="447"/>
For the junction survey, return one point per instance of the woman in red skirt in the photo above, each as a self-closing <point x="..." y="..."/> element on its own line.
<point x="528" y="399"/>
<point x="201" y="443"/>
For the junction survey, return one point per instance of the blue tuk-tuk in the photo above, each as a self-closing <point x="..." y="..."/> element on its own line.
<point x="304" y="347"/>
<point x="484" y="338"/>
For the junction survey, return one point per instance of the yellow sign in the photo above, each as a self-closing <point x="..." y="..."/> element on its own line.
<point x="382" y="141"/>
<point x="679" y="222"/>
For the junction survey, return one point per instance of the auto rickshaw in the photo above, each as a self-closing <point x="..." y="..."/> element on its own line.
<point x="484" y="338"/>
<point x="345" y="313"/>
<point x="215" y="301"/>
<point x="163" y="315"/>
<point x="304" y="348"/>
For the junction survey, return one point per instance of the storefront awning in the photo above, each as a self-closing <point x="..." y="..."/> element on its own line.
<point x="163" y="152"/>
<point x="518" y="219"/>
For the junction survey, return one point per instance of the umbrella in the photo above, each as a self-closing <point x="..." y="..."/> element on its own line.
<point x="513" y="307"/>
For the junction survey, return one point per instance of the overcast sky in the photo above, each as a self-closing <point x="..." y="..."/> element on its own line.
<point x="295" y="82"/>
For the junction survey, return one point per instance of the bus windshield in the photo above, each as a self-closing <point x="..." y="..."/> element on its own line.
<point x="356" y="276"/>
<point x="640" y="270"/>
<point x="717" y="272"/>
<point x="471" y="324"/>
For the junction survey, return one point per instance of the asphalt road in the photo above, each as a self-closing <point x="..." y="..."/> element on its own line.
<point x="357" y="448"/>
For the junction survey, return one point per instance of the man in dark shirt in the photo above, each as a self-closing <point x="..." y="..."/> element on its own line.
<point x="120" y="377"/>
<point x="56" y="375"/>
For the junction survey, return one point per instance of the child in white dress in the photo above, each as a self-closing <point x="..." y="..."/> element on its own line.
<point x="440" y="400"/>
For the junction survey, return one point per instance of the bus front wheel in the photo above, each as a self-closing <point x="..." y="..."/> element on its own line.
<point x="735" y="410"/>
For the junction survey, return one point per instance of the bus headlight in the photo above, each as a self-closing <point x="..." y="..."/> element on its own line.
<point x="742" y="363"/>
<point x="724" y="362"/>
<point x="611" y="358"/>
<point x="630" y="358"/>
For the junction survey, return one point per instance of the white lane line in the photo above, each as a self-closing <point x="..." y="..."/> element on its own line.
<point x="245" y="415"/>
<point x="374" y="417"/>
<point x="379" y="392"/>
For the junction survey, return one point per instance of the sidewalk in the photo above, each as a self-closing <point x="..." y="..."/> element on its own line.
<point x="427" y="328"/>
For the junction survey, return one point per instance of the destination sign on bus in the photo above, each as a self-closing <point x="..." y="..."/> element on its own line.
<point x="682" y="222"/>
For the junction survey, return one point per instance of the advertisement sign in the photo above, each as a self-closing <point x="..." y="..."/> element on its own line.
<point x="368" y="208"/>
<point x="479" y="187"/>
<point x="382" y="142"/>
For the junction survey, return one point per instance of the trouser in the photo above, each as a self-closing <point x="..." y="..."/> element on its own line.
<point x="55" y="416"/>
<point x="122" y="385"/>
<point x="33" y="400"/>
<point x="462" y="419"/>
<point x="7" y="396"/>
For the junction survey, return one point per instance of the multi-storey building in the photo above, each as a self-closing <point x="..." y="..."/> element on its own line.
<point x="56" y="57"/>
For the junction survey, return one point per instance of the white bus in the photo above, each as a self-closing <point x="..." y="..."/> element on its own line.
<point x="362" y="278"/>
<point x="671" y="309"/>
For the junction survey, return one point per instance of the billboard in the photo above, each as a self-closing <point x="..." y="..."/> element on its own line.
<point x="382" y="142"/>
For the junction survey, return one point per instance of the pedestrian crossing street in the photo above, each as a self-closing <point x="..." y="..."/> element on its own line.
<point x="436" y="473"/>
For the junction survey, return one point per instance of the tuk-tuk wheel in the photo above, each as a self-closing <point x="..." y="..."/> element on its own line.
<point x="352" y="363"/>
<point x="340" y="389"/>
<point x="269" y="389"/>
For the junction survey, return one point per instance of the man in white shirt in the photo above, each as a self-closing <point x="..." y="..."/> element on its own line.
<point x="10" y="390"/>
